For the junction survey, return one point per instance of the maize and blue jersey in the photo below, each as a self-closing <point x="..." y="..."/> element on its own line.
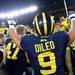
<point x="16" y="59"/>
<point x="46" y="54"/>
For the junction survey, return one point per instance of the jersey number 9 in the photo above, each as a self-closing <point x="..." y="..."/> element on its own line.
<point x="45" y="64"/>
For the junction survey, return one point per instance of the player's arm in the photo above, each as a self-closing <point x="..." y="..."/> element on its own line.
<point x="13" y="34"/>
<point x="72" y="27"/>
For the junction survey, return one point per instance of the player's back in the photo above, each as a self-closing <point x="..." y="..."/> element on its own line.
<point x="46" y="54"/>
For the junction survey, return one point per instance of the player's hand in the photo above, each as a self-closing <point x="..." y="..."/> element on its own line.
<point x="71" y="16"/>
<point x="14" y="36"/>
<point x="72" y="45"/>
<point x="12" y="32"/>
<point x="11" y="23"/>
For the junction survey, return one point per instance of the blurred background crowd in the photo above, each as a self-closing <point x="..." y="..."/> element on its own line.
<point x="12" y="60"/>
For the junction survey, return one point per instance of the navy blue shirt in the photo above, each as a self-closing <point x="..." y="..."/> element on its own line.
<point x="46" y="54"/>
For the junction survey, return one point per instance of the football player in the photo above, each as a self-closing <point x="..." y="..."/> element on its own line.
<point x="16" y="59"/>
<point x="46" y="51"/>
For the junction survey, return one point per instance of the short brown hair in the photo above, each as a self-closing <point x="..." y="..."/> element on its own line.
<point x="20" y="29"/>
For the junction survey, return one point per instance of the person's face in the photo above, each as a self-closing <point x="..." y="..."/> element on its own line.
<point x="1" y="38"/>
<point x="62" y="18"/>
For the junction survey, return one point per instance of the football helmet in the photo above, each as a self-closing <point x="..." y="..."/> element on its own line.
<point x="43" y="24"/>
